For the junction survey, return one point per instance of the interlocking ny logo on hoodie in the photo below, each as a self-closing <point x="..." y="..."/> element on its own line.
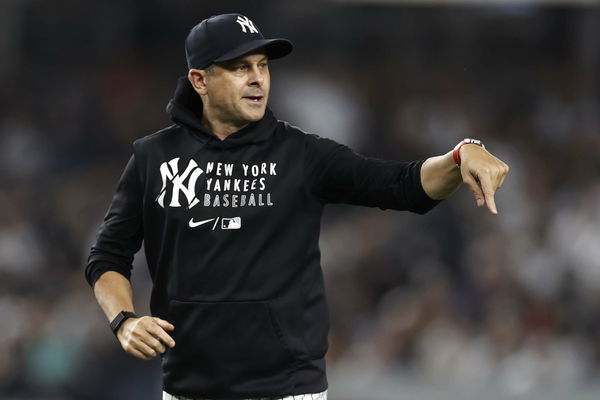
<point x="229" y="185"/>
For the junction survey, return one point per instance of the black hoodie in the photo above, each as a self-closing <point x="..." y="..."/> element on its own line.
<point x="231" y="231"/>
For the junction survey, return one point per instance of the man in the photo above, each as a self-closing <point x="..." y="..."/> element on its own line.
<point x="228" y="202"/>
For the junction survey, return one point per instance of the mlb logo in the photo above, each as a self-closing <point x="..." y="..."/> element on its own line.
<point x="231" y="223"/>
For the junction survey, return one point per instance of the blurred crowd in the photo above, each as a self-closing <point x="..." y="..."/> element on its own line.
<point x="456" y="297"/>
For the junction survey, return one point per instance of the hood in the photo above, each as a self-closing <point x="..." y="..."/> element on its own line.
<point x="185" y="109"/>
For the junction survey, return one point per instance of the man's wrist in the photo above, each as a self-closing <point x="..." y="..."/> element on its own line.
<point x="119" y="319"/>
<point x="459" y="146"/>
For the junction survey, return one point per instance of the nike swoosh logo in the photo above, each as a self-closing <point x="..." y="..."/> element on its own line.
<point x="195" y="224"/>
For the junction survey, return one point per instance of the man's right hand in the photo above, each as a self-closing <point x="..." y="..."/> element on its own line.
<point x="145" y="337"/>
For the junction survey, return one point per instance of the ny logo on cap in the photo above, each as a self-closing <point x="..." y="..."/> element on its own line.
<point x="246" y="23"/>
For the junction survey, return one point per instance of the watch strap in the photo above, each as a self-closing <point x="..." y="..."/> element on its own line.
<point x="118" y="320"/>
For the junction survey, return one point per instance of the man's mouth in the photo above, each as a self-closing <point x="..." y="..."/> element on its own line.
<point x="254" y="99"/>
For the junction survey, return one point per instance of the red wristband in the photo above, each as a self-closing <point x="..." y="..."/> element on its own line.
<point x="456" y="152"/>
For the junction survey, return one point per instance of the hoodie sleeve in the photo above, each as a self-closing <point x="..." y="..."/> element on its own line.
<point x="336" y="174"/>
<point x="120" y="235"/>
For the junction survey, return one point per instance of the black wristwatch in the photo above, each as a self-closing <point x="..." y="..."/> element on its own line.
<point x="119" y="319"/>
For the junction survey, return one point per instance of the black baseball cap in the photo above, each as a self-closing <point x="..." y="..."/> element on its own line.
<point x="228" y="36"/>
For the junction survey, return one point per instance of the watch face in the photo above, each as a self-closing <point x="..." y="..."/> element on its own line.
<point x="119" y="319"/>
<point x="474" y="141"/>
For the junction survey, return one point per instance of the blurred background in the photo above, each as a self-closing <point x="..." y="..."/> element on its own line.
<point x="456" y="304"/>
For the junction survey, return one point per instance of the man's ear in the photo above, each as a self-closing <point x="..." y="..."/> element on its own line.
<point x="197" y="78"/>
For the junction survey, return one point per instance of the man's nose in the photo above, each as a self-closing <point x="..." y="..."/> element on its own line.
<point x="256" y="76"/>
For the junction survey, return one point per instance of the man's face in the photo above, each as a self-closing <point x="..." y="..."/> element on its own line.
<point x="237" y="91"/>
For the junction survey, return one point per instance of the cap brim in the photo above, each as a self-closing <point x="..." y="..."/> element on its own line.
<point x="275" y="48"/>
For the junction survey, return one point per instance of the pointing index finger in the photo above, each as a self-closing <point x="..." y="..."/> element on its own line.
<point x="488" y="193"/>
<point x="473" y="185"/>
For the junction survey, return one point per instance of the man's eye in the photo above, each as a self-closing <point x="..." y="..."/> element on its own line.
<point x="262" y="65"/>
<point x="241" y="68"/>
